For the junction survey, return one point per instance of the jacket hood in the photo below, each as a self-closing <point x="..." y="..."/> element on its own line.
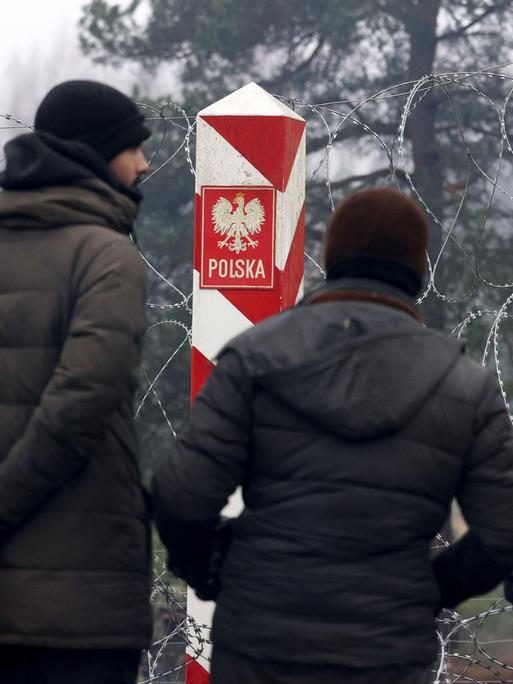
<point x="39" y="160"/>
<point x="361" y="370"/>
<point x="49" y="182"/>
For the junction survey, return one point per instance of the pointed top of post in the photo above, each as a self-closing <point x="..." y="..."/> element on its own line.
<point x="251" y="100"/>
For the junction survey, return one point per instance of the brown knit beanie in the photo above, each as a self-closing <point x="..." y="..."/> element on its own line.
<point x="381" y="234"/>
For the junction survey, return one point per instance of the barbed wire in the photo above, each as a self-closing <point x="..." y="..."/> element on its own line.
<point x="470" y="645"/>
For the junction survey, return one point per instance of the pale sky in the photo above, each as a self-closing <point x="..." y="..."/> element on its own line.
<point x="38" y="42"/>
<point x="28" y="24"/>
<point x="39" y="48"/>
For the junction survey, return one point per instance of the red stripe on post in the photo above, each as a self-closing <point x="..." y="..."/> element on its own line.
<point x="295" y="266"/>
<point x="195" y="673"/>
<point x="263" y="140"/>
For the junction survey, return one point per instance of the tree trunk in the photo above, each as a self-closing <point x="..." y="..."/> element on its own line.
<point x="427" y="176"/>
<point x="427" y="163"/>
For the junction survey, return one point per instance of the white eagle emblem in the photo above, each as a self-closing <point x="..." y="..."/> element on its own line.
<point x="239" y="224"/>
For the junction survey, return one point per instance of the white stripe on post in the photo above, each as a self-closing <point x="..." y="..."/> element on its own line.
<point x="249" y="242"/>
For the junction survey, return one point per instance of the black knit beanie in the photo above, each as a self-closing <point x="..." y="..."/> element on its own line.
<point x="92" y="113"/>
<point x="380" y="234"/>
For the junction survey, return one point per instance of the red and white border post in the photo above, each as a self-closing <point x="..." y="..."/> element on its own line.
<point x="249" y="243"/>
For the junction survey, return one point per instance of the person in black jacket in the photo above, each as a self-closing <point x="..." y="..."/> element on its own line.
<point x="350" y="427"/>
<point x="75" y="551"/>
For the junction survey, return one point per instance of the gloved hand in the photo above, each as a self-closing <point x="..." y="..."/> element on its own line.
<point x="199" y="553"/>
<point x="508" y="588"/>
<point x="210" y="588"/>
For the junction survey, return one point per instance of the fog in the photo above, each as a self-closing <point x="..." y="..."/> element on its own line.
<point x="39" y="47"/>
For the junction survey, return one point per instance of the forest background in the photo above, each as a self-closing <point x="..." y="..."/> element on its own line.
<point x="443" y="140"/>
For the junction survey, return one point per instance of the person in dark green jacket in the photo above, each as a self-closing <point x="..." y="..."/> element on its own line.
<point x="75" y="555"/>
<point x="350" y="427"/>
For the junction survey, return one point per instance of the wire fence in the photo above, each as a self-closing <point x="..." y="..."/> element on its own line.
<point x="476" y="642"/>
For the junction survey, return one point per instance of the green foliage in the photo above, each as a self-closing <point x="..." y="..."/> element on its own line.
<point x="492" y="630"/>
<point x="165" y="238"/>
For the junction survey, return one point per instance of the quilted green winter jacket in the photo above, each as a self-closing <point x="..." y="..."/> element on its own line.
<point x="74" y="532"/>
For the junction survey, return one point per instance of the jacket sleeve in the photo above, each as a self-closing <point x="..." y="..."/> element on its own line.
<point x="207" y="464"/>
<point x="484" y="555"/>
<point x="97" y="363"/>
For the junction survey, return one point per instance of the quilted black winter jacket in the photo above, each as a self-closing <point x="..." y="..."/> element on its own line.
<point x="350" y="427"/>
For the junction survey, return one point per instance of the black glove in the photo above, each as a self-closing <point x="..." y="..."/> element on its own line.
<point x="508" y="588"/>
<point x="466" y="569"/>
<point x="221" y="542"/>
<point x="198" y="553"/>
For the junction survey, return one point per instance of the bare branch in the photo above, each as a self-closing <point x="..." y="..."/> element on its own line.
<point x="352" y="132"/>
<point x="361" y="178"/>
<point x="287" y="75"/>
<point x="457" y="33"/>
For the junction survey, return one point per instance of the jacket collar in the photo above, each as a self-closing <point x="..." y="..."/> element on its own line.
<point x="364" y="290"/>
<point x="40" y="160"/>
